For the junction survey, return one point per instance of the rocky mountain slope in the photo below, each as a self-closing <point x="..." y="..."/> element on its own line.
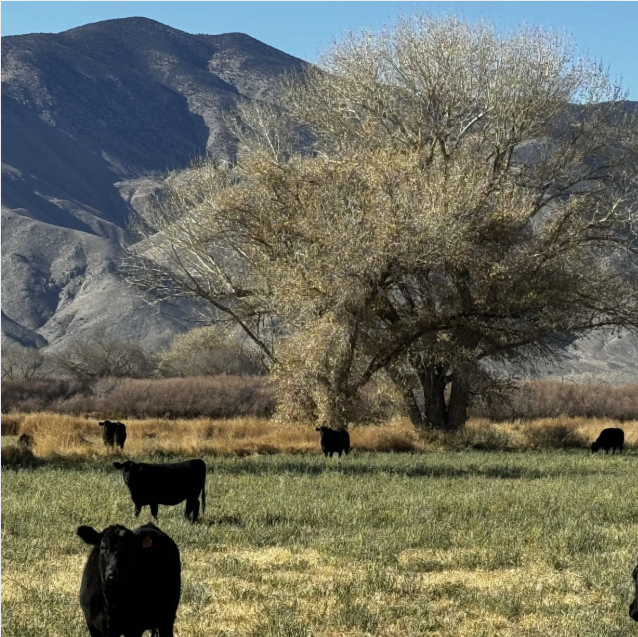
<point x="91" y="120"/>
<point x="90" y="117"/>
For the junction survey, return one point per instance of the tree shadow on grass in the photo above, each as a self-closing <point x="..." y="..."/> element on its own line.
<point x="302" y="467"/>
<point x="67" y="463"/>
<point x="313" y="466"/>
<point x="230" y="519"/>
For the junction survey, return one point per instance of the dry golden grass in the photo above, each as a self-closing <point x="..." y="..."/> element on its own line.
<point x="56" y="434"/>
<point x="11" y="423"/>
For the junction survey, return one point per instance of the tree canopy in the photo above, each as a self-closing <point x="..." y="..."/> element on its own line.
<point x="426" y="201"/>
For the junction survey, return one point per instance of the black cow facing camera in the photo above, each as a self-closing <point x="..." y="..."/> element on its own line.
<point x="131" y="581"/>
<point x="113" y="433"/>
<point x="611" y="438"/>
<point x="633" y="607"/>
<point x="168" y="484"/>
<point x="334" y="441"/>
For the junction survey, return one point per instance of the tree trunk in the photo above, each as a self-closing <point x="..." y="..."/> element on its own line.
<point x="330" y="408"/>
<point x="459" y="397"/>
<point x="414" y="411"/>
<point x="433" y="380"/>
<point x="405" y="387"/>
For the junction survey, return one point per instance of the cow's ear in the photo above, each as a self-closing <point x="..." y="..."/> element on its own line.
<point x="89" y="535"/>
<point x="101" y="424"/>
<point x="118" y="465"/>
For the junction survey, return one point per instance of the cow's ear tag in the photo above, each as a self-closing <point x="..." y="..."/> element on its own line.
<point x="147" y="542"/>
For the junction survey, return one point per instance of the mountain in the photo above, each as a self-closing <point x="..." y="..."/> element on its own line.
<point x="91" y="120"/>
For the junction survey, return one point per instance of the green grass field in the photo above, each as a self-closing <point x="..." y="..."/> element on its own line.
<point x="443" y="543"/>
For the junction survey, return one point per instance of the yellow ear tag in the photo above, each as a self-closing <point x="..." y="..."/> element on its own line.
<point x="147" y="542"/>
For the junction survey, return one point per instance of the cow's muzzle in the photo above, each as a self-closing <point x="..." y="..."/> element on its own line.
<point x="112" y="575"/>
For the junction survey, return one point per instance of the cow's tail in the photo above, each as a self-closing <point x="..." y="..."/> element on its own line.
<point x="204" y="493"/>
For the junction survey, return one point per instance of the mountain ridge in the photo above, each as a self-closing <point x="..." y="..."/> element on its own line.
<point x="92" y="118"/>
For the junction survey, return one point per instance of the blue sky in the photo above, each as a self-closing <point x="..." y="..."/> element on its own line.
<point x="607" y="31"/>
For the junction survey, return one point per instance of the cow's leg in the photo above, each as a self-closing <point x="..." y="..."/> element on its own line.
<point x="192" y="509"/>
<point x="165" y="629"/>
<point x="340" y="452"/>
<point x="193" y="505"/>
<point x="154" y="508"/>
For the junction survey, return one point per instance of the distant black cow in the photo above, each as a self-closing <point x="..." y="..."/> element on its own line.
<point x="633" y="607"/>
<point x="25" y="441"/>
<point x="612" y="438"/>
<point x="131" y="581"/>
<point x="170" y="483"/>
<point x="334" y="441"/>
<point x="113" y="433"/>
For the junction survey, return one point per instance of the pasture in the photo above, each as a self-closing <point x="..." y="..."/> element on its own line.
<point x="447" y="542"/>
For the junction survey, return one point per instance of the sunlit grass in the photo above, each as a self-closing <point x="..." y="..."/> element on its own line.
<point x="452" y="543"/>
<point x="63" y="435"/>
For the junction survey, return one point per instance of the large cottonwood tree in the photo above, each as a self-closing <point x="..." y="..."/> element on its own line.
<point x="427" y="200"/>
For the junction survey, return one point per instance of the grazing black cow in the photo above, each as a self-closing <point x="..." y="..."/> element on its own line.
<point x="334" y="441"/>
<point x="131" y="581"/>
<point x="611" y="438"/>
<point x="25" y="441"/>
<point x="170" y="483"/>
<point x="633" y="607"/>
<point x="113" y="433"/>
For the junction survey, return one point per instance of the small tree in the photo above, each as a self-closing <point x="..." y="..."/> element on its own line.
<point x="104" y="356"/>
<point x="211" y="350"/>
<point x="22" y="363"/>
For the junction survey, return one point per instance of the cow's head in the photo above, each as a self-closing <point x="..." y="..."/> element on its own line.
<point x="633" y="607"/>
<point x="322" y="430"/>
<point x="129" y="469"/>
<point x="118" y="552"/>
<point x="595" y="446"/>
<point x="108" y="433"/>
